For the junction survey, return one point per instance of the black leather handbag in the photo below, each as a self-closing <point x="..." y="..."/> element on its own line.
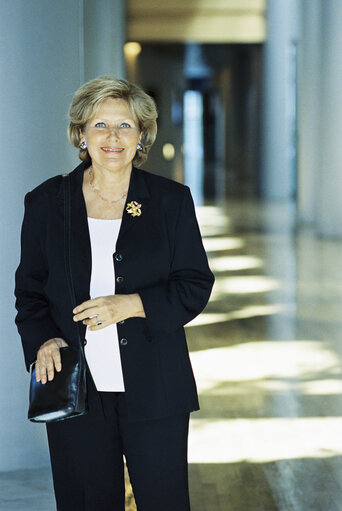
<point x="66" y="395"/>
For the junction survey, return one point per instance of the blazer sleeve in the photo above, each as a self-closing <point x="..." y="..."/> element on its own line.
<point x="33" y="320"/>
<point x="171" y="305"/>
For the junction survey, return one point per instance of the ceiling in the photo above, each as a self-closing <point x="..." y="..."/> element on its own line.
<point x="202" y="21"/>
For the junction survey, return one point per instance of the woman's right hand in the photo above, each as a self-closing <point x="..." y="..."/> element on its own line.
<point x="49" y="359"/>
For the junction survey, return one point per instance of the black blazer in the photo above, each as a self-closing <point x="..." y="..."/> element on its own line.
<point x="159" y="254"/>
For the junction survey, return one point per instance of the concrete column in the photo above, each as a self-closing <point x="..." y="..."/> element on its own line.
<point x="278" y="172"/>
<point x="39" y="66"/>
<point x="104" y="38"/>
<point x="309" y="96"/>
<point x="329" y="203"/>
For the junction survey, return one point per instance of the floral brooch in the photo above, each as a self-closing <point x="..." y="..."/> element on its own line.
<point x="134" y="208"/>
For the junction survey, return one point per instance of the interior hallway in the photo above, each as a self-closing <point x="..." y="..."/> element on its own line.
<point x="267" y="356"/>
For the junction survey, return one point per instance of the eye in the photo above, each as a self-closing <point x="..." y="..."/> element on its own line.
<point x="125" y="125"/>
<point x="100" y="125"/>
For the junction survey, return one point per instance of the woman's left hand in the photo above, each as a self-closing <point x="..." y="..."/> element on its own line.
<point x="103" y="311"/>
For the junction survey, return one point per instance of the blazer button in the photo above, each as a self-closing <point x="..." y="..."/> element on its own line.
<point x="123" y="342"/>
<point x="119" y="280"/>
<point x="118" y="256"/>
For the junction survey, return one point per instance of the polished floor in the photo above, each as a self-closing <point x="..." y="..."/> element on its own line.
<point x="267" y="354"/>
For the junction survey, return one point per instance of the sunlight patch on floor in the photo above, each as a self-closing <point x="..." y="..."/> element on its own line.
<point x="235" y="263"/>
<point x="243" y="285"/>
<point x="264" y="440"/>
<point x="252" y="311"/>
<point x="212" y="215"/>
<point x="319" y="387"/>
<point x="263" y="360"/>
<point x="224" y="243"/>
<point x="213" y="230"/>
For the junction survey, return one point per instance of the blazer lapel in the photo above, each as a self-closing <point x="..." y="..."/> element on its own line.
<point x="80" y="248"/>
<point x="80" y="239"/>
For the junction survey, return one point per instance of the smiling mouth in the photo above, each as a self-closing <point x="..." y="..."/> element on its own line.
<point x="112" y="149"/>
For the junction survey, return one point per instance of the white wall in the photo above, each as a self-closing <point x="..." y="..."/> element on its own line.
<point x="41" y="65"/>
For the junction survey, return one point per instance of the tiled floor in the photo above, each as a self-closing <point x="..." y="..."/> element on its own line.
<point x="26" y="490"/>
<point x="267" y="354"/>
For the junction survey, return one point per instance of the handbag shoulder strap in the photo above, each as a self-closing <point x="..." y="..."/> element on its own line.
<point x="67" y="209"/>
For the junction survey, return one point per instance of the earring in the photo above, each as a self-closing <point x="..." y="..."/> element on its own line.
<point x="139" y="147"/>
<point x="83" y="145"/>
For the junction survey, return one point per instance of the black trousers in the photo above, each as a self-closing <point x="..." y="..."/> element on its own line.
<point x="87" y="460"/>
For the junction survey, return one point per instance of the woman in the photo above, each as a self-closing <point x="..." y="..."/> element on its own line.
<point x="140" y="274"/>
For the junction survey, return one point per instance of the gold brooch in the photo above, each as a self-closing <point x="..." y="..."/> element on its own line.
<point x="133" y="208"/>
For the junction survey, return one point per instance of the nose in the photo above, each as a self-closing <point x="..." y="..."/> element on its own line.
<point x="113" y="130"/>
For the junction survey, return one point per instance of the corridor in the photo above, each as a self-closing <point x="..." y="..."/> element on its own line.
<point x="267" y="356"/>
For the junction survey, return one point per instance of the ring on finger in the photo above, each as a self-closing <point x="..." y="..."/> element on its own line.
<point x="98" y="322"/>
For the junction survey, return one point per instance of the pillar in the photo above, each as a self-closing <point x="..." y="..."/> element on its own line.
<point x="39" y="66"/>
<point x="309" y="119"/>
<point x="329" y="147"/>
<point x="104" y="38"/>
<point x="278" y="124"/>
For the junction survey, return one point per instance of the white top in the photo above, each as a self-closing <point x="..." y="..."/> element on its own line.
<point x="102" y="349"/>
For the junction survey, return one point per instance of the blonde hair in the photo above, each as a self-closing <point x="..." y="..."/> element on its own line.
<point x="88" y="99"/>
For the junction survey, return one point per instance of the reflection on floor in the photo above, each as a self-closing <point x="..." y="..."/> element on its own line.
<point x="267" y="356"/>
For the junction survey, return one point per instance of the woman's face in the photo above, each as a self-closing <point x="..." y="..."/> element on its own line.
<point x="112" y="136"/>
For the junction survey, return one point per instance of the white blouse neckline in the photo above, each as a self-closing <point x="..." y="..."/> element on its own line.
<point x="105" y="219"/>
